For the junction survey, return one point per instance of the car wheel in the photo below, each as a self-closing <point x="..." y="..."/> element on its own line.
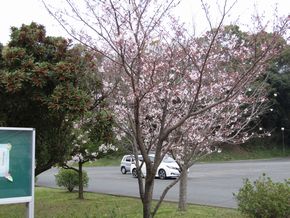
<point x="162" y="174"/>
<point x="123" y="170"/>
<point x="134" y="173"/>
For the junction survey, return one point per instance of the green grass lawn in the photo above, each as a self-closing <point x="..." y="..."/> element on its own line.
<point x="58" y="203"/>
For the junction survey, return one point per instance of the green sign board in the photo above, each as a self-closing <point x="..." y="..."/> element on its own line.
<point x="16" y="165"/>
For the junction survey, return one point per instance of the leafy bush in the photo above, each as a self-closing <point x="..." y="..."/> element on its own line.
<point x="264" y="198"/>
<point x="70" y="179"/>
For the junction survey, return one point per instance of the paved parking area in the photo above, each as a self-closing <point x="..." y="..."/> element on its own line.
<point x="208" y="184"/>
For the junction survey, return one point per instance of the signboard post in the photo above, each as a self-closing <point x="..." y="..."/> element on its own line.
<point x="17" y="163"/>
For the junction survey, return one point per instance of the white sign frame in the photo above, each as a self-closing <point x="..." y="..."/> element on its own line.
<point x="28" y="200"/>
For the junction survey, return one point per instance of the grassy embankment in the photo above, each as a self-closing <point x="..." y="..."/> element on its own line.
<point x="243" y="154"/>
<point x="58" y="203"/>
<point x="227" y="154"/>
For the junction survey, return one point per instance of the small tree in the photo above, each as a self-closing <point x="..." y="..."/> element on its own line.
<point x="69" y="179"/>
<point x="91" y="140"/>
<point x="92" y="132"/>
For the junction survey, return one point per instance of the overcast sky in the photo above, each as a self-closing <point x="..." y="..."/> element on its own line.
<point x="17" y="12"/>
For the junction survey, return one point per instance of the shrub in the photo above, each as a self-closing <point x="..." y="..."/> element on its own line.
<point x="264" y="198"/>
<point x="69" y="179"/>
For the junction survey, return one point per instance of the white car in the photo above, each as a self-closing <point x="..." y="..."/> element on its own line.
<point x="126" y="162"/>
<point x="168" y="168"/>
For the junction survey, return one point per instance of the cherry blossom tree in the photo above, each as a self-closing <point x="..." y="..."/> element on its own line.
<point x="231" y="122"/>
<point x="174" y="88"/>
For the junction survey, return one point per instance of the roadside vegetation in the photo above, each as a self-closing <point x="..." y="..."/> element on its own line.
<point x="264" y="198"/>
<point x="59" y="203"/>
<point x="249" y="152"/>
<point x="260" y="148"/>
<point x="106" y="161"/>
<point x="69" y="179"/>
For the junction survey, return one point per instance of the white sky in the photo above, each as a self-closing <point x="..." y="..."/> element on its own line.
<point x="17" y="12"/>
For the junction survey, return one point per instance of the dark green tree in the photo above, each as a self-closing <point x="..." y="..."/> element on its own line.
<point x="41" y="87"/>
<point x="279" y="93"/>
<point x="277" y="85"/>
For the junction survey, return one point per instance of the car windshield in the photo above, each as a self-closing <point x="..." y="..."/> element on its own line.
<point x="168" y="159"/>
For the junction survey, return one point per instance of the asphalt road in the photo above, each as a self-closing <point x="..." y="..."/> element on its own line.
<point x="208" y="184"/>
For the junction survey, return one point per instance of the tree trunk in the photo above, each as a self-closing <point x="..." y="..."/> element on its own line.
<point x="147" y="201"/>
<point x="81" y="186"/>
<point x="182" y="204"/>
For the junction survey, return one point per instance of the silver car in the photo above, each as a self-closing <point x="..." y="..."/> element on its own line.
<point x="127" y="161"/>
